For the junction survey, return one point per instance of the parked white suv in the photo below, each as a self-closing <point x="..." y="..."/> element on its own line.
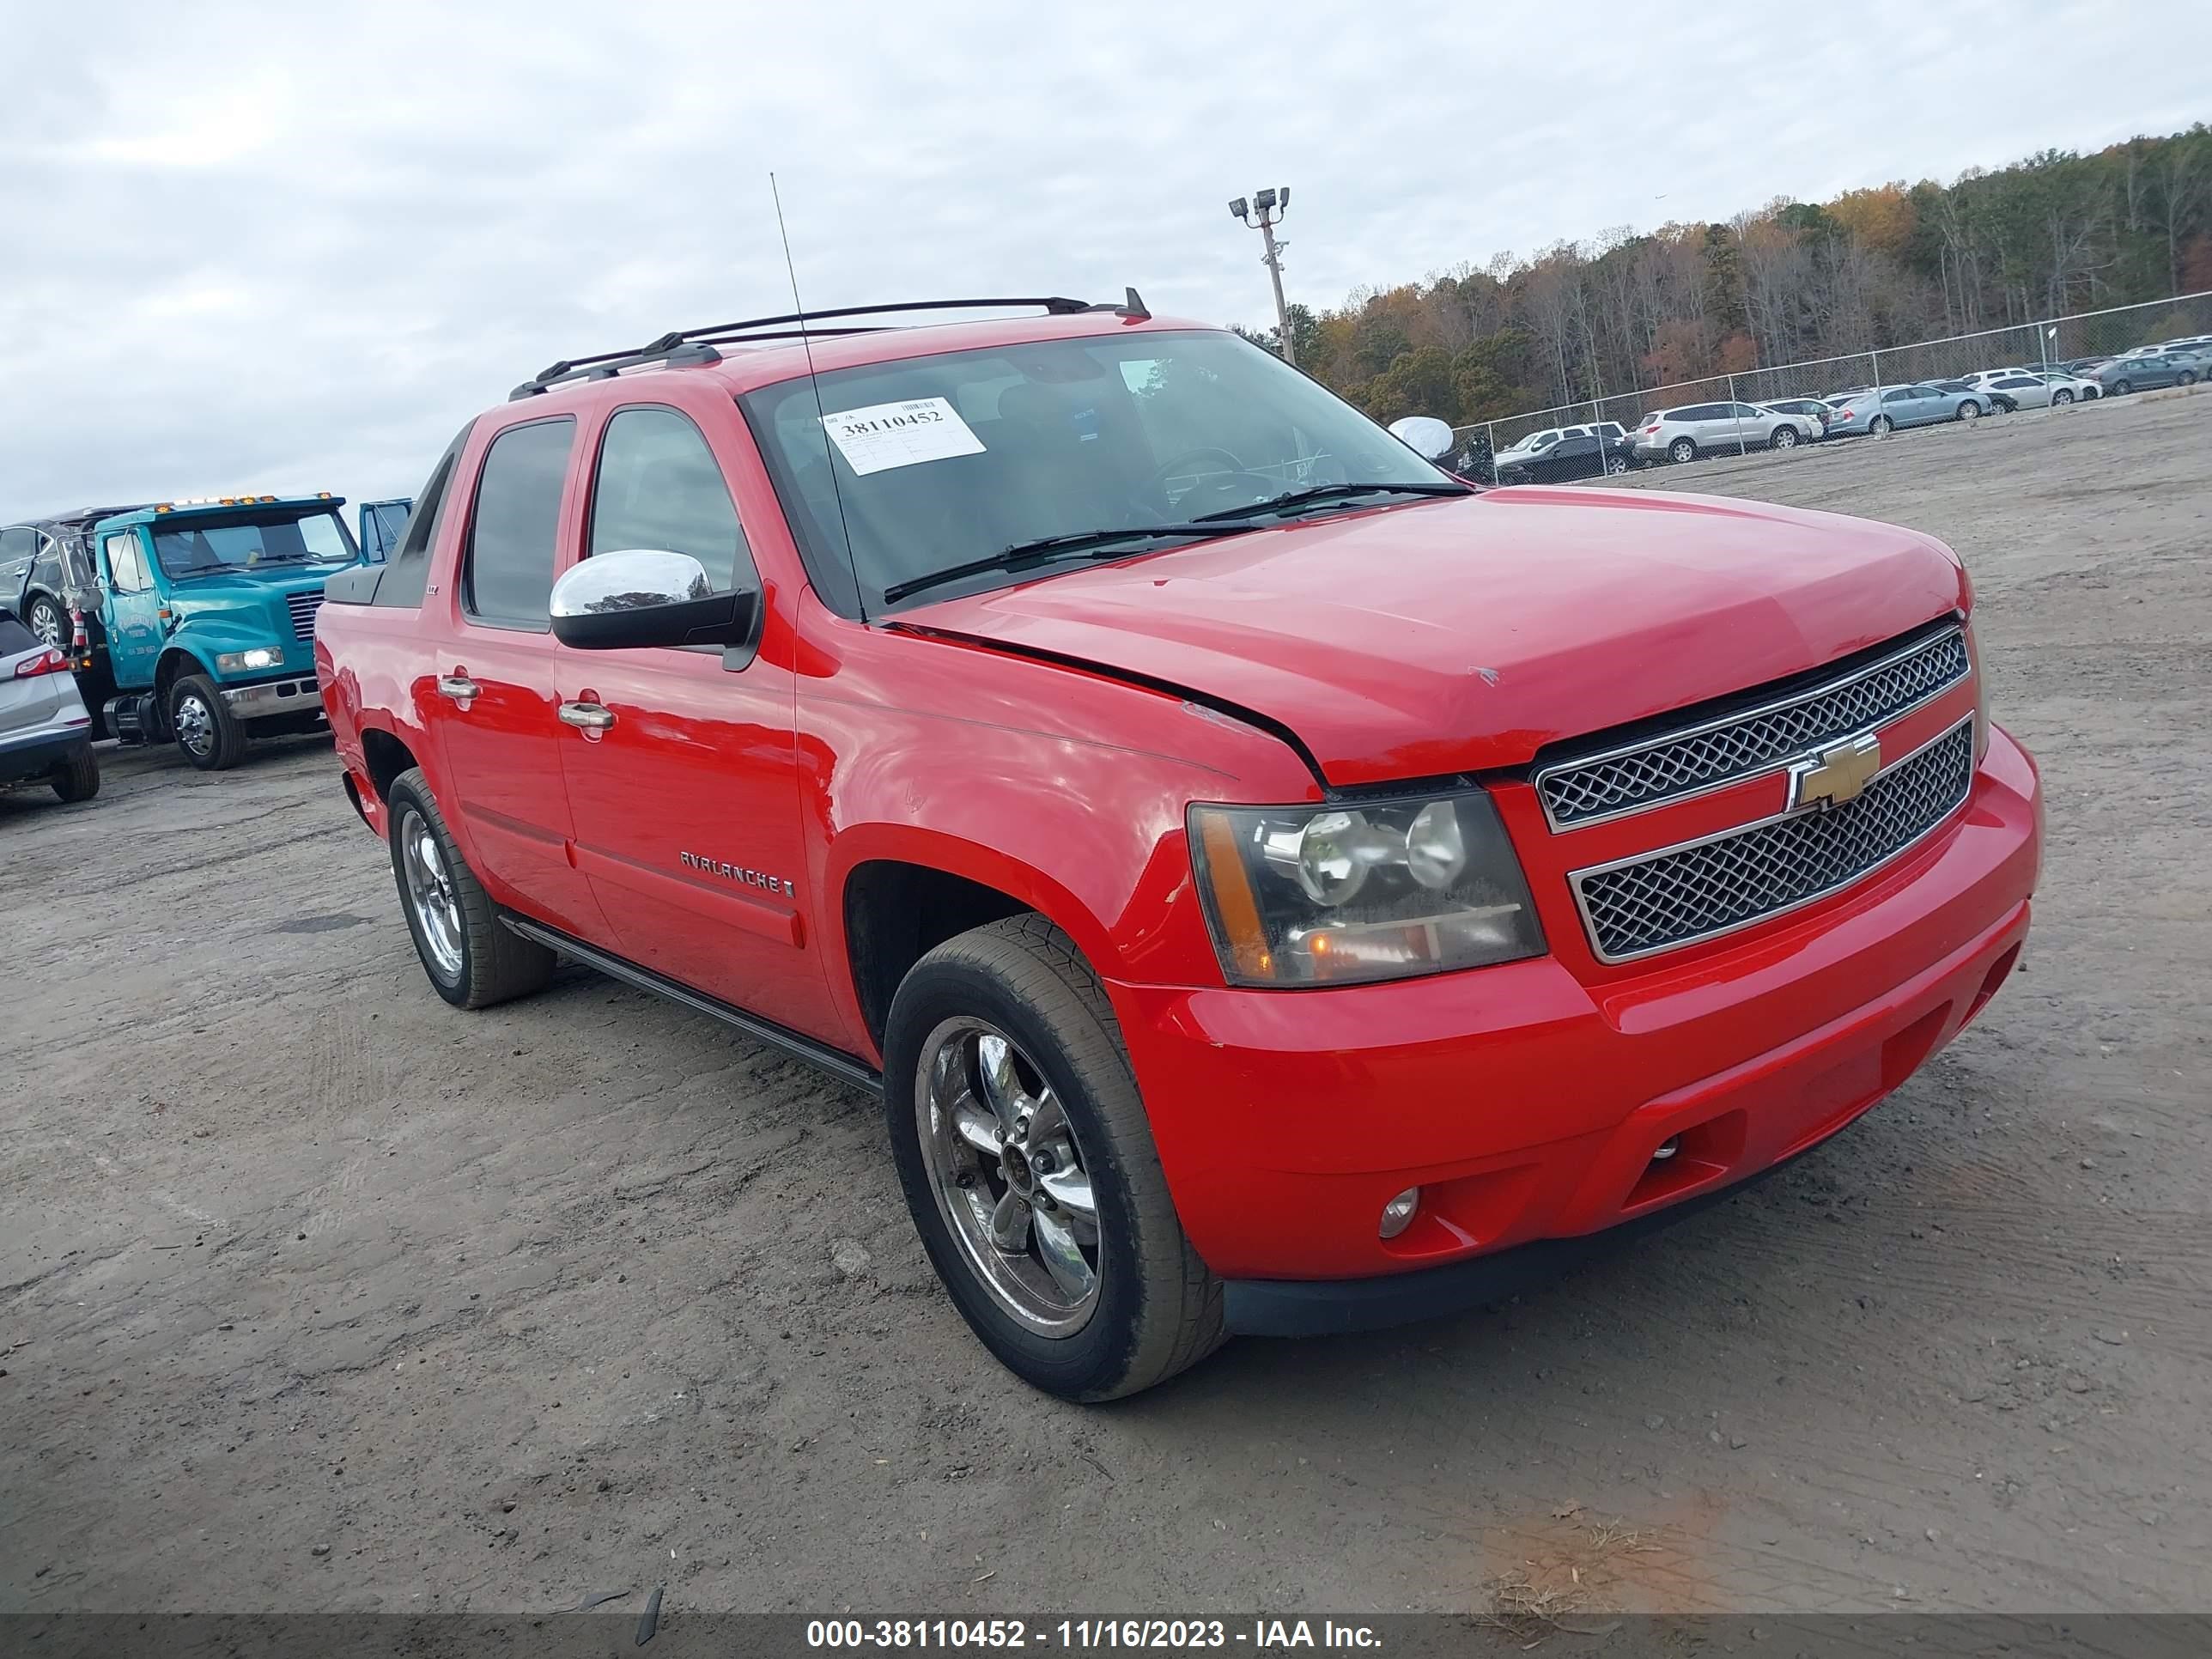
<point x="1695" y="429"/>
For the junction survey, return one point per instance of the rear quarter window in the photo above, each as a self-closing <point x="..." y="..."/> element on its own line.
<point x="408" y="570"/>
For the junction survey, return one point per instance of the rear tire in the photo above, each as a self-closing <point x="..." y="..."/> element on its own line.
<point x="1784" y="437"/>
<point x="45" y="619"/>
<point x="1880" y="425"/>
<point x="1681" y="452"/>
<point x="2187" y="377"/>
<point x="470" y="959"/>
<point x="209" y="735"/>
<point x="2061" y="395"/>
<point x="2121" y="388"/>
<point x="1139" y="1306"/>
<point x="78" y="778"/>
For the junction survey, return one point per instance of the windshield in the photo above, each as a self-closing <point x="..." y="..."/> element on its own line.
<point x="943" y="459"/>
<point x="189" y="548"/>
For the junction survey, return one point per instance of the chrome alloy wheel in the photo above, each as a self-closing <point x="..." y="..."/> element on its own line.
<point x="46" y="624"/>
<point x="1009" y="1177"/>
<point x="195" y="724"/>
<point x="430" y="894"/>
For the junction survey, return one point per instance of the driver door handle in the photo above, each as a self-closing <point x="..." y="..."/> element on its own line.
<point x="589" y="716"/>
<point x="460" y="687"/>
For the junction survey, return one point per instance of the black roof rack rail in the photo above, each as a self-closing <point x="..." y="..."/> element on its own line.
<point x="694" y="346"/>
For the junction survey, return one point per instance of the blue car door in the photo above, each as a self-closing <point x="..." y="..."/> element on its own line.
<point x="132" y="613"/>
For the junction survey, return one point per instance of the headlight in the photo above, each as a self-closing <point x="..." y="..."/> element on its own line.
<point x="1380" y="889"/>
<point x="239" y="662"/>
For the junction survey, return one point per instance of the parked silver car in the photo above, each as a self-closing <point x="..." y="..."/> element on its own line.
<point x="44" y="731"/>
<point x="2153" y="369"/>
<point x="1695" y="429"/>
<point x="1876" y="412"/>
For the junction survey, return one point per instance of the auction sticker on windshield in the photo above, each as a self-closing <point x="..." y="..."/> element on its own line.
<point x="885" y="435"/>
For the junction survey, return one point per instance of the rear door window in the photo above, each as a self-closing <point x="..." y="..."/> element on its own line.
<point x="659" y="486"/>
<point x="506" y="568"/>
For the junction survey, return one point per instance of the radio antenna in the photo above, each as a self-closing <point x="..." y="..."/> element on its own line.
<point x="814" y="383"/>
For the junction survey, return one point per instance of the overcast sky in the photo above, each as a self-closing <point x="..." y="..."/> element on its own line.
<point x="294" y="246"/>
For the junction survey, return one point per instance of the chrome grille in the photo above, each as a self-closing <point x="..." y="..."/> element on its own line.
<point x="1579" y="792"/>
<point x="1713" y="886"/>
<point x="303" y="607"/>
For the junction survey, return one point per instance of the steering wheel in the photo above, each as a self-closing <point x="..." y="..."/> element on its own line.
<point x="1222" y="484"/>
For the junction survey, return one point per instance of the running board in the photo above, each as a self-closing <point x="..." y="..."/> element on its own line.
<point x="838" y="1064"/>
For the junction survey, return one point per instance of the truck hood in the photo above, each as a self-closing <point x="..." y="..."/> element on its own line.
<point x="237" y="611"/>
<point x="1462" y="635"/>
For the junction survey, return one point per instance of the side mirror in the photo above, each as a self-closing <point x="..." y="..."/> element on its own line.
<point x="1426" y="436"/>
<point x="639" y="597"/>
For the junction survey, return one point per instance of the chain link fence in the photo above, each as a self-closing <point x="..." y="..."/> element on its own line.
<point x="2051" y="343"/>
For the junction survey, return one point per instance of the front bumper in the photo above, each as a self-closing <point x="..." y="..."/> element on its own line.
<point x="297" y="695"/>
<point x="1528" y="1105"/>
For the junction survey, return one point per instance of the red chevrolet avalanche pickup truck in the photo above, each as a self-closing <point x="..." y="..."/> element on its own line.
<point x="1273" y="886"/>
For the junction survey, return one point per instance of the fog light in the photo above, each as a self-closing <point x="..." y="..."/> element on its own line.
<point x="1668" y="1148"/>
<point x="1398" y="1213"/>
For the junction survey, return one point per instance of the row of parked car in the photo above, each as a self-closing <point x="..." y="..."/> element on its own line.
<point x="186" y="621"/>
<point x="1692" y="430"/>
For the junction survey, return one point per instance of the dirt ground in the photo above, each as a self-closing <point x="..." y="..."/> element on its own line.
<point x="315" y="1293"/>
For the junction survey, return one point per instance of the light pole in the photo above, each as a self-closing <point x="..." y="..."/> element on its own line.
<point x="1263" y="213"/>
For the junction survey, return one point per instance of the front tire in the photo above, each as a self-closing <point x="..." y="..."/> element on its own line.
<point x="2188" y="377"/>
<point x="1968" y="412"/>
<point x="1029" y="1167"/>
<point x="78" y="778"/>
<point x="209" y="735"/>
<point x="472" y="960"/>
<point x="2061" y="395"/>
<point x="44" y="617"/>
<point x="1681" y="452"/>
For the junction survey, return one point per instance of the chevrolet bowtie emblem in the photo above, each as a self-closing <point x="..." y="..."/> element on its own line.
<point x="1835" y="775"/>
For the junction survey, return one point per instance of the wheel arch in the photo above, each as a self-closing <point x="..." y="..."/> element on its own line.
<point x="385" y="755"/>
<point x="897" y="895"/>
<point x="175" y="662"/>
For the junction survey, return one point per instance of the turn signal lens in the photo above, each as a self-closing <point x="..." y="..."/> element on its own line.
<point x="1237" y="929"/>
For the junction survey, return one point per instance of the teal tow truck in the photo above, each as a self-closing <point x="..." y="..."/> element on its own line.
<point x="200" y="623"/>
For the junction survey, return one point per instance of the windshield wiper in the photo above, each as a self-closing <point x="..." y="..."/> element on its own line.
<point x="1044" y="548"/>
<point x="1332" y="492"/>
